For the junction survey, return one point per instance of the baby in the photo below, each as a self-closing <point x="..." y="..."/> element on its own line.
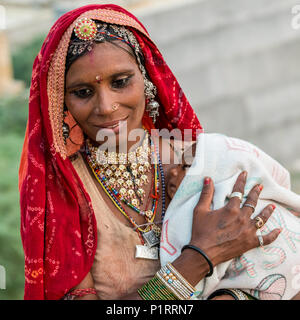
<point x="269" y="272"/>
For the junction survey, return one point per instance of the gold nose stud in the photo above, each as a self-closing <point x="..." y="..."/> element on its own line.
<point x="115" y="106"/>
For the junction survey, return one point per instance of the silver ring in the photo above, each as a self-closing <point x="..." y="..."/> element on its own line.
<point x="236" y="194"/>
<point x="249" y="205"/>
<point x="260" y="237"/>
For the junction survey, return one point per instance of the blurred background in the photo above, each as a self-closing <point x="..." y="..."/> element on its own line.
<point x="237" y="61"/>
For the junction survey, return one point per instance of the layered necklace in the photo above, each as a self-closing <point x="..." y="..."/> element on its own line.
<point x="122" y="176"/>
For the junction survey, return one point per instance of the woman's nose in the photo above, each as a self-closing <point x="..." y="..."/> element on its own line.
<point x="104" y="102"/>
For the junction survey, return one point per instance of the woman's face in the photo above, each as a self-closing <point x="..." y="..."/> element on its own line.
<point x="90" y="101"/>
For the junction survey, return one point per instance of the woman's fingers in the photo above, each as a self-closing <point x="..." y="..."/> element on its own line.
<point x="262" y="218"/>
<point x="239" y="187"/>
<point x="270" y="237"/>
<point x="252" y="198"/>
<point x="206" y="195"/>
<point x="265" y="214"/>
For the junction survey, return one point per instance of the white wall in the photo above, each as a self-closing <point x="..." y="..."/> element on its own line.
<point x="238" y="62"/>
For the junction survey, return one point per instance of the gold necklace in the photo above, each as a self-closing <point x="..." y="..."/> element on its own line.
<point x="125" y="172"/>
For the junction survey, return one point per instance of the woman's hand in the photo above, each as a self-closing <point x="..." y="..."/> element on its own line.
<point x="222" y="234"/>
<point x="228" y="232"/>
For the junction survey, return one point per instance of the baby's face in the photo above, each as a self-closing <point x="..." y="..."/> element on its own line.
<point x="174" y="178"/>
<point x="177" y="172"/>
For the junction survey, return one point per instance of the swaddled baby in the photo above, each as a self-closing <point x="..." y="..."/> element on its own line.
<point x="268" y="272"/>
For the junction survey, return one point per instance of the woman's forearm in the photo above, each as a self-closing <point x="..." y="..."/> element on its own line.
<point x="192" y="266"/>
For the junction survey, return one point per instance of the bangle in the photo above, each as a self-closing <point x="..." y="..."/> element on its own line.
<point x="168" y="284"/>
<point x="155" y="289"/>
<point x="77" y="293"/>
<point x="237" y="294"/>
<point x="176" y="282"/>
<point x="211" y="267"/>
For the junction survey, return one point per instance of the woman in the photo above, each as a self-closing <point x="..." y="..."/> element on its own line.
<point x="79" y="230"/>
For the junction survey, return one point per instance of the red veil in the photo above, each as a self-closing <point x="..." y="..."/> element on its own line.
<point x="58" y="227"/>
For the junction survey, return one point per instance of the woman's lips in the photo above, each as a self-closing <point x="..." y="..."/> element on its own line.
<point x="109" y="128"/>
<point x="111" y="124"/>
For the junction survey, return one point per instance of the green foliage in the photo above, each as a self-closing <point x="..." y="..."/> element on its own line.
<point x="13" y="118"/>
<point x="14" y="113"/>
<point x="24" y="57"/>
<point x="11" y="251"/>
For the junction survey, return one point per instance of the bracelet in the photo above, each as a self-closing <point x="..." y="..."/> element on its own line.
<point x="237" y="294"/>
<point x="175" y="282"/>
<point x="211" y="267"/>
<point x="168" y="284"/>
<point x="155" y="289"/>
<point x="77" y="293"/>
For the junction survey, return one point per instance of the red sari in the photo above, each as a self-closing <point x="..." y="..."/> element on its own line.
<point x="58" y="227"/>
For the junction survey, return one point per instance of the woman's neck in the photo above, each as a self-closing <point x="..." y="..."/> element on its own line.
<point x="120" y="146"/>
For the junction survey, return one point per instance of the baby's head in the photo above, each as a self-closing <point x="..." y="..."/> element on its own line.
<point x="177" y="172"/>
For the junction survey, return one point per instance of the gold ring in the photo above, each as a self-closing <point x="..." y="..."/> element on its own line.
<point x="259" y="223"/>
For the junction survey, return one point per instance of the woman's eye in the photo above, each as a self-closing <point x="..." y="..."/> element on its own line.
<point x="186" y="166"/>
<point x="120" y="83"/>
<point x="83" y="93"/>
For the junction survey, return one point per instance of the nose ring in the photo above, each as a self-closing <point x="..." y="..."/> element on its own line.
<point x="115" y="106"/>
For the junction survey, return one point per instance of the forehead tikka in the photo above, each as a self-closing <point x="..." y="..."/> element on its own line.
<point x="85" y="29"/>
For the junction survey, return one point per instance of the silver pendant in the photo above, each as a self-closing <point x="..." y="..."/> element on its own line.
<point x="151" y="238"/>
<point x="144" y="252"/>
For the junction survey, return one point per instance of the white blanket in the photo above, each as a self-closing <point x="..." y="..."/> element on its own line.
<point x="269" y="272"/>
